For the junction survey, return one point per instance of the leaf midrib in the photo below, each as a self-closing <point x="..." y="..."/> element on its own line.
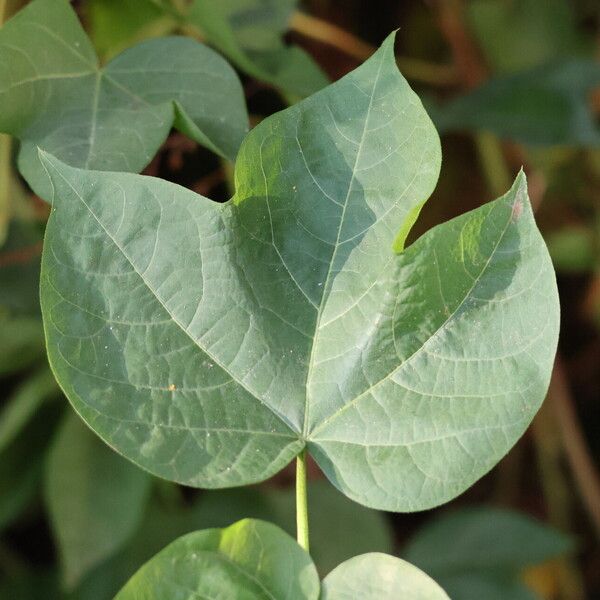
<point x="305" y="431"/>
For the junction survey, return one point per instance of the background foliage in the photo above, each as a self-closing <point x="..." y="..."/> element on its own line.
<point x="508" y="82"/>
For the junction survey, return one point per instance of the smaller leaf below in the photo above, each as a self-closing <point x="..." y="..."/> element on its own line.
<point x="377" y="576"/>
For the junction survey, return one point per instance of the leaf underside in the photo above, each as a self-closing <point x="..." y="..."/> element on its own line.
<point x="210" y="343"/>
<point x="55" y="95"/>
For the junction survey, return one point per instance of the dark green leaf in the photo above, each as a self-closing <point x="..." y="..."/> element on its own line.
<point x="22" y="340"/>
<point x="95" y="498"/>
<point x="55" y="95"/>
<point x="572" y="249"/>
<point x="376" y="576"/>
<point x="23" y="403"/>
<point x="522" y="34"/>
<point x="480" y="552"/>
<point x="240" y="333"/>
<point x="248" y="560"/>
<point x="546" y="105"/>
<point x="484" y="539"/>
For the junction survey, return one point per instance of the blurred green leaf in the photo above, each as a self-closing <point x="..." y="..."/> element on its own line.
<point x="546" y="105"/>
<point x="477" y="549"/>
<point x="20" y="269"/>
<point x="55" y="95"/>
<point x="22" y="404"/>
<point x="250" y="560"/>
<point x="32" y="585"/>
<point x="521" y="34"/>
<point x="21" y="464"/>
<point x="572" y="249"/>
<point x="21" y="343"/>
<point x="95" y="498"/>
<point x="378" y="576"/>
<point x="250" y="34"/>
<point x="114" y="25"/>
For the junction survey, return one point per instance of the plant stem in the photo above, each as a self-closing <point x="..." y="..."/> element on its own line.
<point x="301" y="501"/>
<point x="332" y="35"/>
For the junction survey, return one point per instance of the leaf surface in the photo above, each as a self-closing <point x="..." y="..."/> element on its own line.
<point x="250" y="560"/>
<point x="95" y="498"/>
<point x="210" y="343"/>
<point x="57" y="97"/>
<point x="375" y="576"/>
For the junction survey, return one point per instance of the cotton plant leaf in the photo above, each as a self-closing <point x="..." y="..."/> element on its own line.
<point x="374" y="576"/>
<point x="56" y="96"/>
<point x="482" y="552"/>
<point x="248" y="560"/>
<point x="546" y="105"/>
<point x="250" y="33"/>
<point x="95" y="498"/>
<point x="211" y="343"/>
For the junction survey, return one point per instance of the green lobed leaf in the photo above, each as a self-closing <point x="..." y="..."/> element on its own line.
<point x="480" y="552"/>
<point x="56" y="96"/>
<point x="545" y="105"/>
<point x="250" y="33"/>
<point x="240" y="333"/>
<point x="95" y="498"/>
<point x="248" y="560"/>
<point x="375" y="576"/>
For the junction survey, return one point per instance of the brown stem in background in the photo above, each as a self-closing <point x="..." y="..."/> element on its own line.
<point x="575" y="447"/>
<point x="332" y="35"/>
<point x="469" y="63"/>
